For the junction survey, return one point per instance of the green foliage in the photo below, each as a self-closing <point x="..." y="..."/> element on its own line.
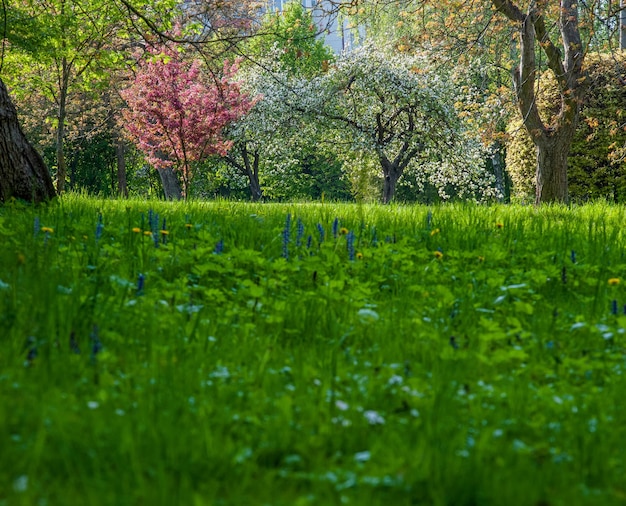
<point x="292" y="37"/>
<point x="596" y="166"/>
<point x="459" y="355"/>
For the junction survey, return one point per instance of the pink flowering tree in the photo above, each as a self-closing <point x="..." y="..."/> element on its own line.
<point x="176" y="114"/>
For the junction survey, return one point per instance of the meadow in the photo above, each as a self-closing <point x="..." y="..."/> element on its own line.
<point x="221" y="353"/>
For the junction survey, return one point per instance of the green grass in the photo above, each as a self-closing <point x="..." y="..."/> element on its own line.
<point x="459" y="355"/>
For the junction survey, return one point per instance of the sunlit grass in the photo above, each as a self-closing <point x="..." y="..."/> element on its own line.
<point x="453" y="355"/>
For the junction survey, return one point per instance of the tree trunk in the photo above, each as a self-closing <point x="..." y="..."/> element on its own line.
<point x="552" y="169"/>
<point x="390" y="180"/>
<point x="120" y="150"/>
<point x="171" y="184"/>
<point x="497" y="162"/>
<point x="255" y="186"/>
<point x="622" y="25"/>
<point x="252" y="171"/>
<point x="60" y="137"/>
<point x="552" y="139"/>
<point x="392" y="171"/>
<point x="23" y="173"/>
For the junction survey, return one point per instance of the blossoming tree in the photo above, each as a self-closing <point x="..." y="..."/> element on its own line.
<point x="176" y="114"/>
<point x="396" y="110"/>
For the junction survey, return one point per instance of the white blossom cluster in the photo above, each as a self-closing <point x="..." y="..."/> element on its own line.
<point x="371" y="108"/>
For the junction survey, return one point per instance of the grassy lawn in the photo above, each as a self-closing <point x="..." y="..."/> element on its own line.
<point x="311" y="354"/>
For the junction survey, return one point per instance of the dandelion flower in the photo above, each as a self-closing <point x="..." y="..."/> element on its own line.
<point x="499" y="224"/>
<point x="147" y="233"/>
<point x="136" y="230"/>
<point x="438" y="254"/>
<point x="359" y="255"/>
<point x="165" y="232"/>
<point x="614" y="281"/>
<point x="47" y="230"/>
<point x="343" y="231"/>
<point x="188" y="226"/>
<point x="434" y="232"/>
<point x="481" y="259"/>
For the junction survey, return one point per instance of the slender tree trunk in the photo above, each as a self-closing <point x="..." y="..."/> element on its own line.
<point x="120" y="151"/>
<point x="255" y="186"/>
<point x="252" y="171"/>
<point x="23" y="173"/>
<point x="497" y="162"/>
<point x="552" y="169"/>
<point x="622" y="25"/>
<point x="60" y="137"/>
<point x="171" y="184"/>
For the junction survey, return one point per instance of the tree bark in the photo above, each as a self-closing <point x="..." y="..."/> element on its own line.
<point x="171" y="184"/>
<point x="391" y="175"/>
<point x="552" y="169"/>
<point x="60" y="137"/>
<point x="23" y="173"/>
<point x="622" y="25"/>
<point x="252" y="171"/>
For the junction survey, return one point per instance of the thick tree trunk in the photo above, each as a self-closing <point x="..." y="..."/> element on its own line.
<point x="392" y="171"/>
<point x="171" y="184"/>
<point x="389" y="184"/>
<point x="255" y="186"/>
<point x="552" y="139"/>
<point x="552" y="169"/>
<point x="23" y="173"/>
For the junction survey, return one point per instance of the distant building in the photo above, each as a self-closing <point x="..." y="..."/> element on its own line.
<point x="333" y="29"/>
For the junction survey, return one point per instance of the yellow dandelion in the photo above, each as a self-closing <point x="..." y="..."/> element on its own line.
<point x="614" y="281"/>
<point x="147" y="233"/>
<point x="438" y="254"/>
<point x="165" y="232"/>
<point x="481" y="259"/>
<point x="359" y="255"/>
<point x="47" y="230"/>
<point x="343" y="230"/>
<point x="499" y="224"/>
<point x="434" y="232"/>
<point x="136" y="230"/>
<point x="188" y="226"/>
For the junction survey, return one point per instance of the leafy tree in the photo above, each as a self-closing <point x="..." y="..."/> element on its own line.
<point x="291" y="37"/>
<point x="554" y="36"/>
<point x="69" y="57"/>
<point x="274" y="138"/>
<point x="396" y="109"/>
<point x="596" y="167"/>
<point x="176" y="115"/>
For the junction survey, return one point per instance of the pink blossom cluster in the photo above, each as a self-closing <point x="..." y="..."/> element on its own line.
<point x="176" y="114"/>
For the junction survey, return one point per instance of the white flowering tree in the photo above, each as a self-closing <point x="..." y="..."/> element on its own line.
<point x="272" y="142"/>
<point x="395" y="109"/>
